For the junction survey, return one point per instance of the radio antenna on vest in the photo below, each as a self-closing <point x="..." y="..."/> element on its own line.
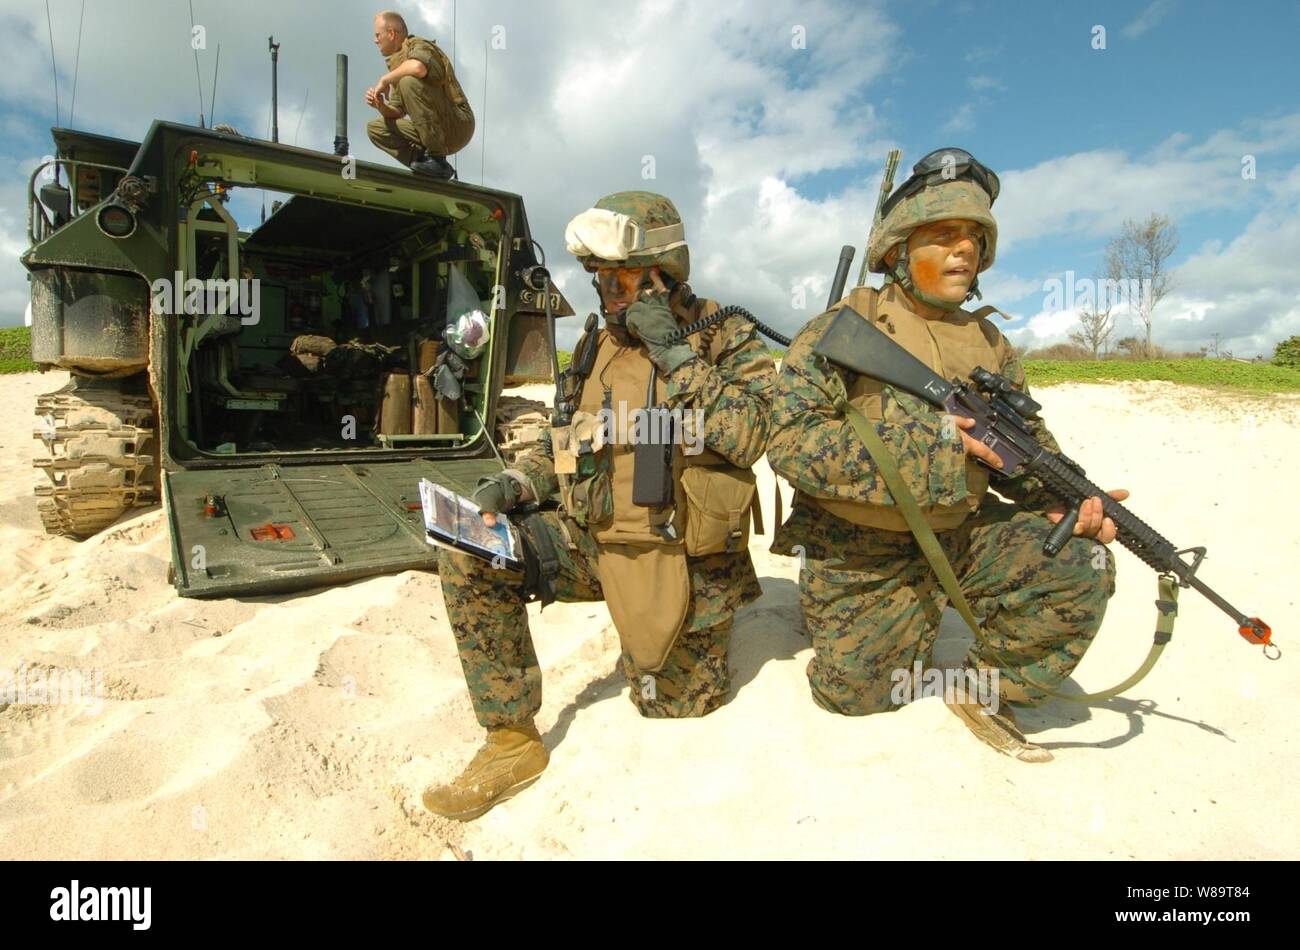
<point x="49" y="26"/>
<point x="886" y="186"/>
<point x="76" y="66"/>
<point x="197" y="78"/>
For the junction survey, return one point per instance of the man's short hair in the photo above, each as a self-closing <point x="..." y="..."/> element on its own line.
<point x="393" y="21"/>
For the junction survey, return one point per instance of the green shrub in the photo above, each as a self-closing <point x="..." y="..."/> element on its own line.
<point x="1288" y="353"/>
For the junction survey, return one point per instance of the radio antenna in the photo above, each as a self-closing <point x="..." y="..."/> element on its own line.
<point x="301" y="112"/>
<point x="482" y="159"/>
<point x="49" y="26"/>
<point x="197" y="78"/>
<point x="274" y="47"/>
<point x="886" y="186"/>
<point x="212" y="102"/>
<point x="76" y="67"/>
<point x="456" y="159"/>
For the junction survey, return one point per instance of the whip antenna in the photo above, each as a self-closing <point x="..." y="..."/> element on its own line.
<point x="456" y="159"/>
<point x="197" y="78"/>
<point x="76" y="66"/>
<point x="212" y="102"/>
<point x="886" y="186"/>
<point x="482" y="160"/>
<point x="301" y="112"/>
<point x="49" y="26"/>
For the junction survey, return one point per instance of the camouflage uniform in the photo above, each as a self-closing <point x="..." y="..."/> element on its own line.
<point x="486" y="606"/>
<point x="870" y="600"/>
<point x="438" y="116"/>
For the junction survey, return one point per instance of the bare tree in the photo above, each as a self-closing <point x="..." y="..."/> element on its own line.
<point x="1095" y="327"/>
<point x="1140" y="254"/>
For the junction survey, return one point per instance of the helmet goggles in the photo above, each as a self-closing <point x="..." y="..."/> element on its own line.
<point x="941" y="165"/>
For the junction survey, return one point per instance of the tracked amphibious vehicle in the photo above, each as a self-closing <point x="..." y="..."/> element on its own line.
<point x="264" y="374"/>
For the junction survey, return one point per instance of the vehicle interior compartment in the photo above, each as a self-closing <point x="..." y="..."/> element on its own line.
<point x="334" y="348"/>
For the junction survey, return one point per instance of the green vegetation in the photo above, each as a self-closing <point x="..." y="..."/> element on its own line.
<point x="1288" y="353"/>
<point x="16" y="350"/>
<point x="1225" y="374"/>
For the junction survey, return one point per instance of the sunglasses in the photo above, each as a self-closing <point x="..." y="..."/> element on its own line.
<point x="945" y="164"/>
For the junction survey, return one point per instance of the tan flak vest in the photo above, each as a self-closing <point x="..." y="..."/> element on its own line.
<point x="952" y="347"/>
<point x="642" y="551"/>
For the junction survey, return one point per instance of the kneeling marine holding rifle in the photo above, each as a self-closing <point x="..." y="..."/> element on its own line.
<point x="892" y="450"/>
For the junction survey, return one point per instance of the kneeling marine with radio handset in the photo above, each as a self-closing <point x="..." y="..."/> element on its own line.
<point x="658" y="532"/>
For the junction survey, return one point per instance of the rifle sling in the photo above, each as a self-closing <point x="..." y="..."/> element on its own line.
<point x="1166" y="604"/>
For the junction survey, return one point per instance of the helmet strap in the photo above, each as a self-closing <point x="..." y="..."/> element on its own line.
<point x="974" y="291"/>
<point x="901" y="272"/>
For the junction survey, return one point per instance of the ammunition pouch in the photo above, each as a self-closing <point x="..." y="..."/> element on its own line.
<point x="719" y="501"/>
<point x="582" y="469"/>
<point x="591" y="500"/>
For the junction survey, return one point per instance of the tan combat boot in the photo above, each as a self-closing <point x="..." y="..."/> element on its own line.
<point x="999" y="730"/>
<point x="512" y="759"/>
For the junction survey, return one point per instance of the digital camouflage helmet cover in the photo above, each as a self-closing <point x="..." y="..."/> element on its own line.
<point x="631" y="229"/>
<point x="945" y="184"/>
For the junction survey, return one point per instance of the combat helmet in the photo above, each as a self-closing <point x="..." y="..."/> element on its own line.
<point x="631" y="229"/>
<point x="947" y="183"/>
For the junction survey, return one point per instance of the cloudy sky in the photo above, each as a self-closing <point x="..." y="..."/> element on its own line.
<point x="767" y="124"/>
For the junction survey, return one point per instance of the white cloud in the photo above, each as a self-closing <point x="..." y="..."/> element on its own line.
<point x="1247" y="291"/>
<point x="961" y="121"/>
<point x="1044" y="327"/>
<point x="998" y="286"/>
<point x="981" y="54"/>
<point x="1150" y="16"/>
<point x="1091" y="193"/>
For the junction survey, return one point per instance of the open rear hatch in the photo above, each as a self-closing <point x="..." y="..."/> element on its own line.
<point x="295" y="426"/>
<point x="276" y="528"/>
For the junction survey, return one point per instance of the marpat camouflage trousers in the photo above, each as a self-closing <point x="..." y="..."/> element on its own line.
<point x="486" y="609"/>
<point x="872" y="603"/>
